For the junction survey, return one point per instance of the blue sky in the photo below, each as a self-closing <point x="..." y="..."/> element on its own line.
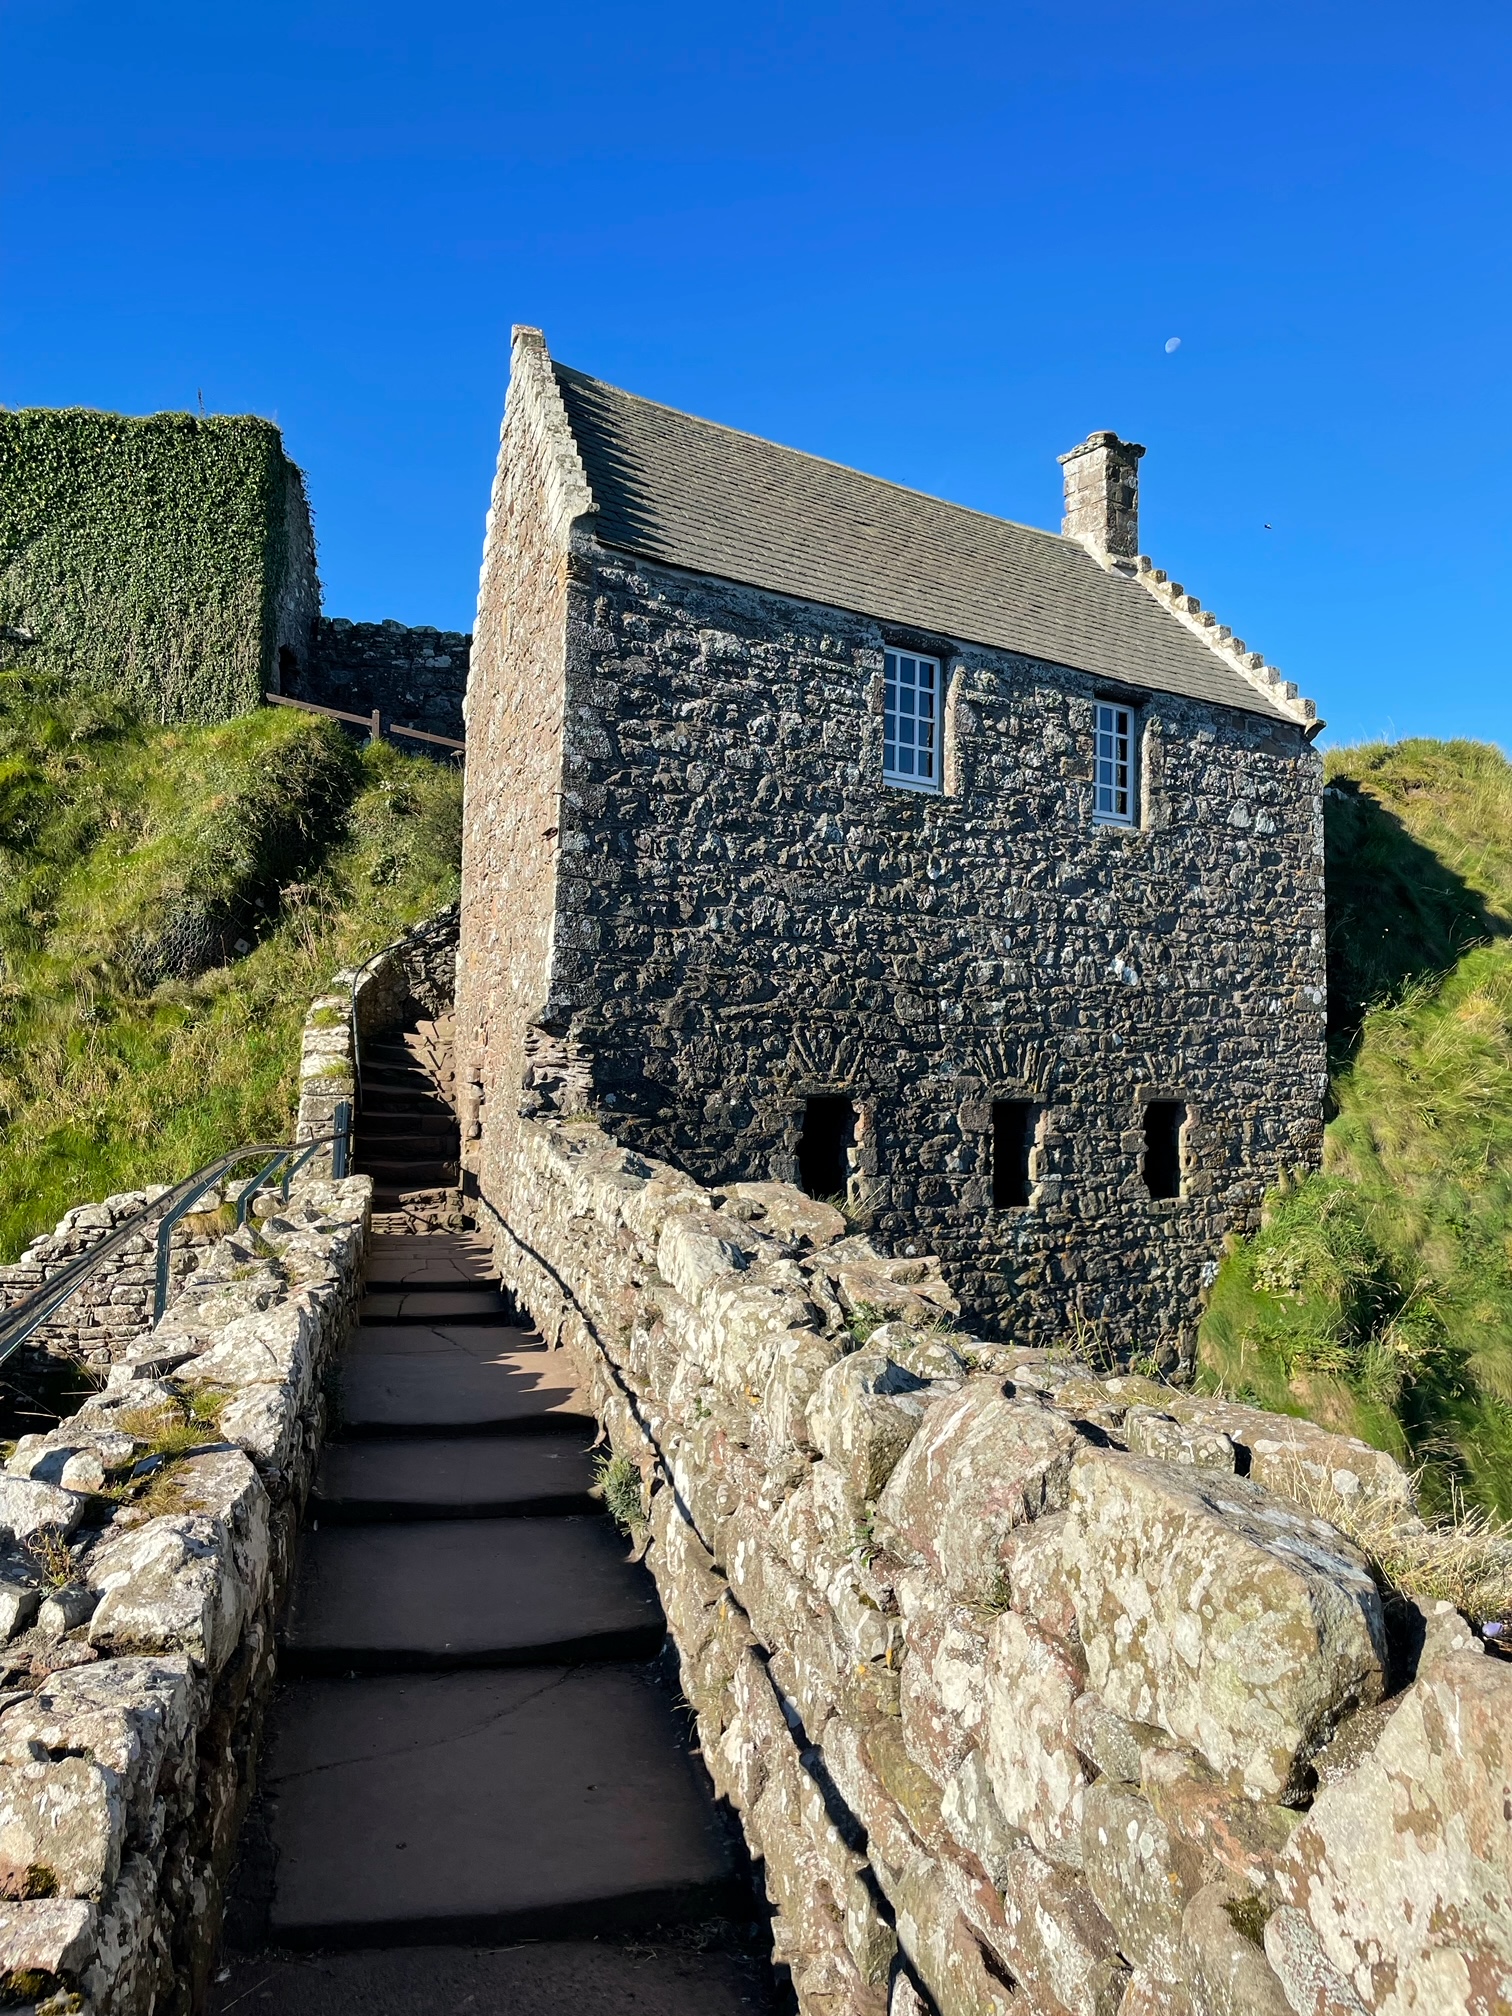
<point x="936" y="242"/>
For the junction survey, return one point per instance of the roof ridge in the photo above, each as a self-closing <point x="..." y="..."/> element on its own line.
<point x="1221" y="641"/>
<point x="825" y="461"/>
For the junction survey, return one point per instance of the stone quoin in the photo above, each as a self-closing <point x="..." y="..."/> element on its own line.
<point x="821" y="831"/>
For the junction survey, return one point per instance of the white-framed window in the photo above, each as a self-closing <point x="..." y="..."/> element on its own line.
<point x="1113" y="803"/>
<point x="911" y="721"/>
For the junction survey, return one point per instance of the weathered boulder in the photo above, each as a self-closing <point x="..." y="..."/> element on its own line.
<point x="223" y="1485"/>
<point x="785" y="1213"/>
<point x="970" y="1814"/>
<point x="169" y="1586"/>
<point x="61" y="1828"/>
<point x="1149" y="1431"/>
<point x="980" y="1466"/>
<point x="944" y="1688"/>
<point x="1224" y="1966"/>
<point x="1141" y="1875"/>
<point x="1231" y="1620"/>
<point x="699" y="1250"/>
<point x="272" y="1347"/>
<point x="959" y="1973"/>
<point x="50" y="1935"/>
<point x="1399" y="1880"/>
<point x="746" y="1319"/>
<point x="29" y="1507"/>
<point x="800" y="1359"/>
<point x="1298" y="1459"/>
<point x="1063" y="1952"/>
<point x="1238" y="1839"/>
<point x="1034" y="1575"/>
<point x="135" y="1718"/>
<point x="1034" y="1767"/>
<point x="865" y="1411"/>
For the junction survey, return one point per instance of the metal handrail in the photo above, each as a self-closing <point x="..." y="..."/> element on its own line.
<point x="17" y="1324"/>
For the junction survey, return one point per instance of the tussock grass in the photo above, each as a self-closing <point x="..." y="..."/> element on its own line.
<point x="620" y="1483"/>
<point x="170" y="900"/>
<point x="1377" y="1297"/>
<point x="1464" y="1558"/>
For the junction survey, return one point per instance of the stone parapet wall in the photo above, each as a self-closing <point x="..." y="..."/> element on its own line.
<point x="421" y="966"/>
<point x="147" y="1545"/>
<point x="1035" y="1690"/>
<point x="101" y="1322"/>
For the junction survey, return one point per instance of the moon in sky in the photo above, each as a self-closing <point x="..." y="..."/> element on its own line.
<point x="1172" y="343"/>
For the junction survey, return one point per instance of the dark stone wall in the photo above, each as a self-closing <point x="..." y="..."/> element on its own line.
<point x="415" y="675"/>
<point x="748" y="917"/>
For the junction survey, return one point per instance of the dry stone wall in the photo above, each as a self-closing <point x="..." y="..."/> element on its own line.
<point x="1036" y="1691"/>
<point x="104" y="1318"/>
<point x="145" y="1547"/>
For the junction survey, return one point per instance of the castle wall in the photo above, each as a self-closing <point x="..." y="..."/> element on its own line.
<point x="413" y="674"/>
<point x="513" y="817"/>
<point x="749" y="916"/>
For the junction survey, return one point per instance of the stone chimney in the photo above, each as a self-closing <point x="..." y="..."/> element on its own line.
<point x="1102" y="495"/>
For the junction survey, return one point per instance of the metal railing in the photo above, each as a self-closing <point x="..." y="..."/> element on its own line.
<point x="283" y="1160"/>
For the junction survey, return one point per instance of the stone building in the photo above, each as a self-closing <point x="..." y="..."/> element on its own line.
<point x="820" y="830"/>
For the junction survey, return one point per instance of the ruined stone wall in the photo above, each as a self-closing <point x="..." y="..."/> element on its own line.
<point x="746" y="915"/>
<point x="413" y="674"/>
<point x="140" y="1584"/>
<point x="1031" y="1704"/>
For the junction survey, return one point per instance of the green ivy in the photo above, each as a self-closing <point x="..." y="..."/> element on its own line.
<point x="145" y="556"/>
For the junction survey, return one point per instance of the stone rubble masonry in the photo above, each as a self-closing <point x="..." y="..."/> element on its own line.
<point x="1102" y="494"/>
<point x="420" y="967"/>
<point x="690" y="903"/>
<point x="113" y="1309"/>
<point x="413" y="674"/>
<point x="1017" y="1717"/>
<point x="133" y="1694"/>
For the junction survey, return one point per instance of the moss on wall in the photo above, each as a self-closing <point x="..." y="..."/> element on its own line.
<point x="163" y="558"/>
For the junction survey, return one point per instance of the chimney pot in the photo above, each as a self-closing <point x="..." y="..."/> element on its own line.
<point x="1102" y="495"/>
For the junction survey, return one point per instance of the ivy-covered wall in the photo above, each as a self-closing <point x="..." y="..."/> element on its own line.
<point x="169" y="558"/>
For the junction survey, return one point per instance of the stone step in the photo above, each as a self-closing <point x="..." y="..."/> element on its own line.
<point x="386" y="1100"/>
<point x="409" y="1133"/>
<point x="412" y="1172"/>
<point x="489" y="1806"/>
<point x="454" y="1477"/>
<point x="435" y="1305"/>
<point x="424" y="1260"/>
<point x="429" y="1597"/>
<point x="422" y="1380"/>
<point x="542" y="1978"/>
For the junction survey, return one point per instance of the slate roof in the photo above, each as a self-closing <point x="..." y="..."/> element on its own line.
<point x="715" y="501"/>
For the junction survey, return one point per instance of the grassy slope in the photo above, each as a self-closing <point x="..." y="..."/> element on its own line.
<point x="1378" y="1295"/>
<point x="136" y="1041"/>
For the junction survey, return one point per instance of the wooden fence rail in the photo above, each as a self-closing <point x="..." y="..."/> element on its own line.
<point x="372" y="722"/>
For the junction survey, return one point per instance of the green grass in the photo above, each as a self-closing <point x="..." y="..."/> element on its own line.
<point x="1377" y="1297"/>
<point x="170" y="900"/>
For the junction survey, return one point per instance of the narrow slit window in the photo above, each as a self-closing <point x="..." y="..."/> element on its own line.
<point x="911" y="721"/>
<point x="1115" y="766"/>
<point x="824" y="1146"/>
<point x="1013" y="1125"/>
<point x="1163" y="1122"/>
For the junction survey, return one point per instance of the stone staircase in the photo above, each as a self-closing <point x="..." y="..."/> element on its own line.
<point x="478" y="1790"/>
